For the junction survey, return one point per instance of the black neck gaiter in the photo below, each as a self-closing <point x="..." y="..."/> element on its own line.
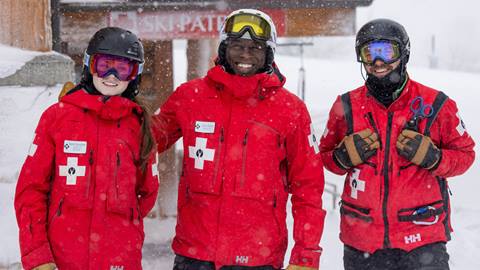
<point x="383" y="89"/>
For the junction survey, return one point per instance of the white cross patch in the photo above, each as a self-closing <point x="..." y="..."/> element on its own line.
<point x="461" y="126"/>
<point x="312" y="140"/>
<point x="72" y="170"/>
<point x="33" y="147"/>
<point x="200" y="152"/>
<point x="356" y="184"/>
<point x="155" y="166"/>
<point x="325" y="132"/>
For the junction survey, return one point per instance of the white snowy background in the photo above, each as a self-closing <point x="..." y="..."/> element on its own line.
<point x="330" y="70"/>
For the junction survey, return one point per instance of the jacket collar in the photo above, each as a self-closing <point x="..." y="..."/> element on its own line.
<point x="399" y="103"/>
<point x="109" y="108"/>
<point x="258" y="85"/>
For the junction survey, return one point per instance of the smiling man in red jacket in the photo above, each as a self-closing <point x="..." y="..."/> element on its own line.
<point x="397" y="140"/>
<point x="248" y="143"/>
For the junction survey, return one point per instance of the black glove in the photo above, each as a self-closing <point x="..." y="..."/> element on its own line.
<point x="418" y="149"/>
<point x="356" y="148"/>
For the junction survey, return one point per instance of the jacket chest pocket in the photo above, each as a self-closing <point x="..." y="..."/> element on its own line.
<point x="203" y="142"/>
<point x="121" y="193"/>
<point x="260" y="174"/>
<point x="74" y="159"/>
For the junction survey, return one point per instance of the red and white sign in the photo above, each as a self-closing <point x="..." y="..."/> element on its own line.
<point x="162" y="25"/>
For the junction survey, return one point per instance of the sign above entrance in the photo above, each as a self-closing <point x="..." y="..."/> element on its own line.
<point x="167" y="25"/>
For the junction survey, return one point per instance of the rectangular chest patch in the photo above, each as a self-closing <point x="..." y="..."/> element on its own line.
<point x="204" y="127"/>
<point x="75" y="147"/>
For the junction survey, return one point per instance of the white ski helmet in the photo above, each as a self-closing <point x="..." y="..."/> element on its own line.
<point x="252" y="24"/>
<point x="271" y="36"/>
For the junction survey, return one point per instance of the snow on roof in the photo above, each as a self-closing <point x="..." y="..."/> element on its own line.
<point x="12" y="59"/>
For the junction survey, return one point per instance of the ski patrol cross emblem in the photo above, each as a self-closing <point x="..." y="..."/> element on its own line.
<point x="72" y="170"/>
<point x="312" y="140"/>
<point x="356" y="184"/>
<point x="200" y="152"/>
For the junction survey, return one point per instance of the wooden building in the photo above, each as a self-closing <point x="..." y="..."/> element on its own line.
<point x="157" y="23"/>
<point x="26" y="24"/>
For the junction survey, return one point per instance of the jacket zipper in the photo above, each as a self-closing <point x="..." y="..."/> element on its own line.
<point x="372" y="122"/>
<point x="58" y="213"/>
<point x="273" y="211"/>
<point x="244" y="158"/>
<point x="115" y="174"/>
<point x="89" y="179"/>
<point x="217" y="162"/>
<point x="386" y="167"/>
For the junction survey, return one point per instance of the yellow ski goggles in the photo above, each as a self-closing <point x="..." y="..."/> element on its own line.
<point x="258" y="27"/>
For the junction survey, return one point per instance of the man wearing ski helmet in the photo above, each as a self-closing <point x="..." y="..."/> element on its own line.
<point x="397" y="141"/>
<point x="248" y="143"/>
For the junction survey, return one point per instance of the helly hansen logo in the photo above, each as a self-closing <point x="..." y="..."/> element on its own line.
<point x="241" y="260"/>
<point x="413" y="238"/>
<point x="116" y="267"/>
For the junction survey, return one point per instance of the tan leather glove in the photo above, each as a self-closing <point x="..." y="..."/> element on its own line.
<point x="47" y="266"/>
<point x="356" y="148"/>
<point x="418" y="149"/>
<point x="296" y="267"/>
<point x="66" y="87"/>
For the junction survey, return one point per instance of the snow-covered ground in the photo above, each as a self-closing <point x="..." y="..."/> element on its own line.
<point x="456" y="26"/>
<point x="20" y="108"/>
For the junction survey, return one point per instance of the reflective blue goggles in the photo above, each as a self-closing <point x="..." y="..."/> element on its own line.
<point x="384" y="50"/>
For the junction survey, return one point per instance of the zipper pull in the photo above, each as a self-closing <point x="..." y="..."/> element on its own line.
<point x="59" y="210"/>
<point x="245" y="138"/>
<point x="90" y="160"/>
<point x="222" y="138"/>
<point x="118" y="159"/>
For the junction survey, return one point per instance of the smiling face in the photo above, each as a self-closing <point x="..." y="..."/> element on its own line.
<point x="246" y="56"/>
<point x="109" y="85"/>
<point x="379" y="69"/>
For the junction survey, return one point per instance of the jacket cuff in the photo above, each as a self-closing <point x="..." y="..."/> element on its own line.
<point x="442" y="167"/>
<point x="39" y="256"/>
<point x="305" y="257"/>
<point x="338" y="163"/>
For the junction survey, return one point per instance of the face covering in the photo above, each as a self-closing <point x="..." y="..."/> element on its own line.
<point x="383" y="89"/>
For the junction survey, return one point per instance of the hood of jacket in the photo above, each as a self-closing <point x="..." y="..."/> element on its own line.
<point x="106" y="107"/>
<point x="259" y="85"/>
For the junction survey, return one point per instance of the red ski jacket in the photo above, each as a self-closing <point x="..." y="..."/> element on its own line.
<point x="247" y="143"/>
<point x="80" y="197"/>
<point x="388" y="202"/>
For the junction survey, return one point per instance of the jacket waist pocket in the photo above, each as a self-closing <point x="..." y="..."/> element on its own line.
<point x="427" y="214"/>
<point x="352" y="210"/>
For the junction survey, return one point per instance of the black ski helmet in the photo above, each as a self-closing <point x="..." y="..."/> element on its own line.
<point x="384" y="29"/>
<point x="114" y="41"/>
